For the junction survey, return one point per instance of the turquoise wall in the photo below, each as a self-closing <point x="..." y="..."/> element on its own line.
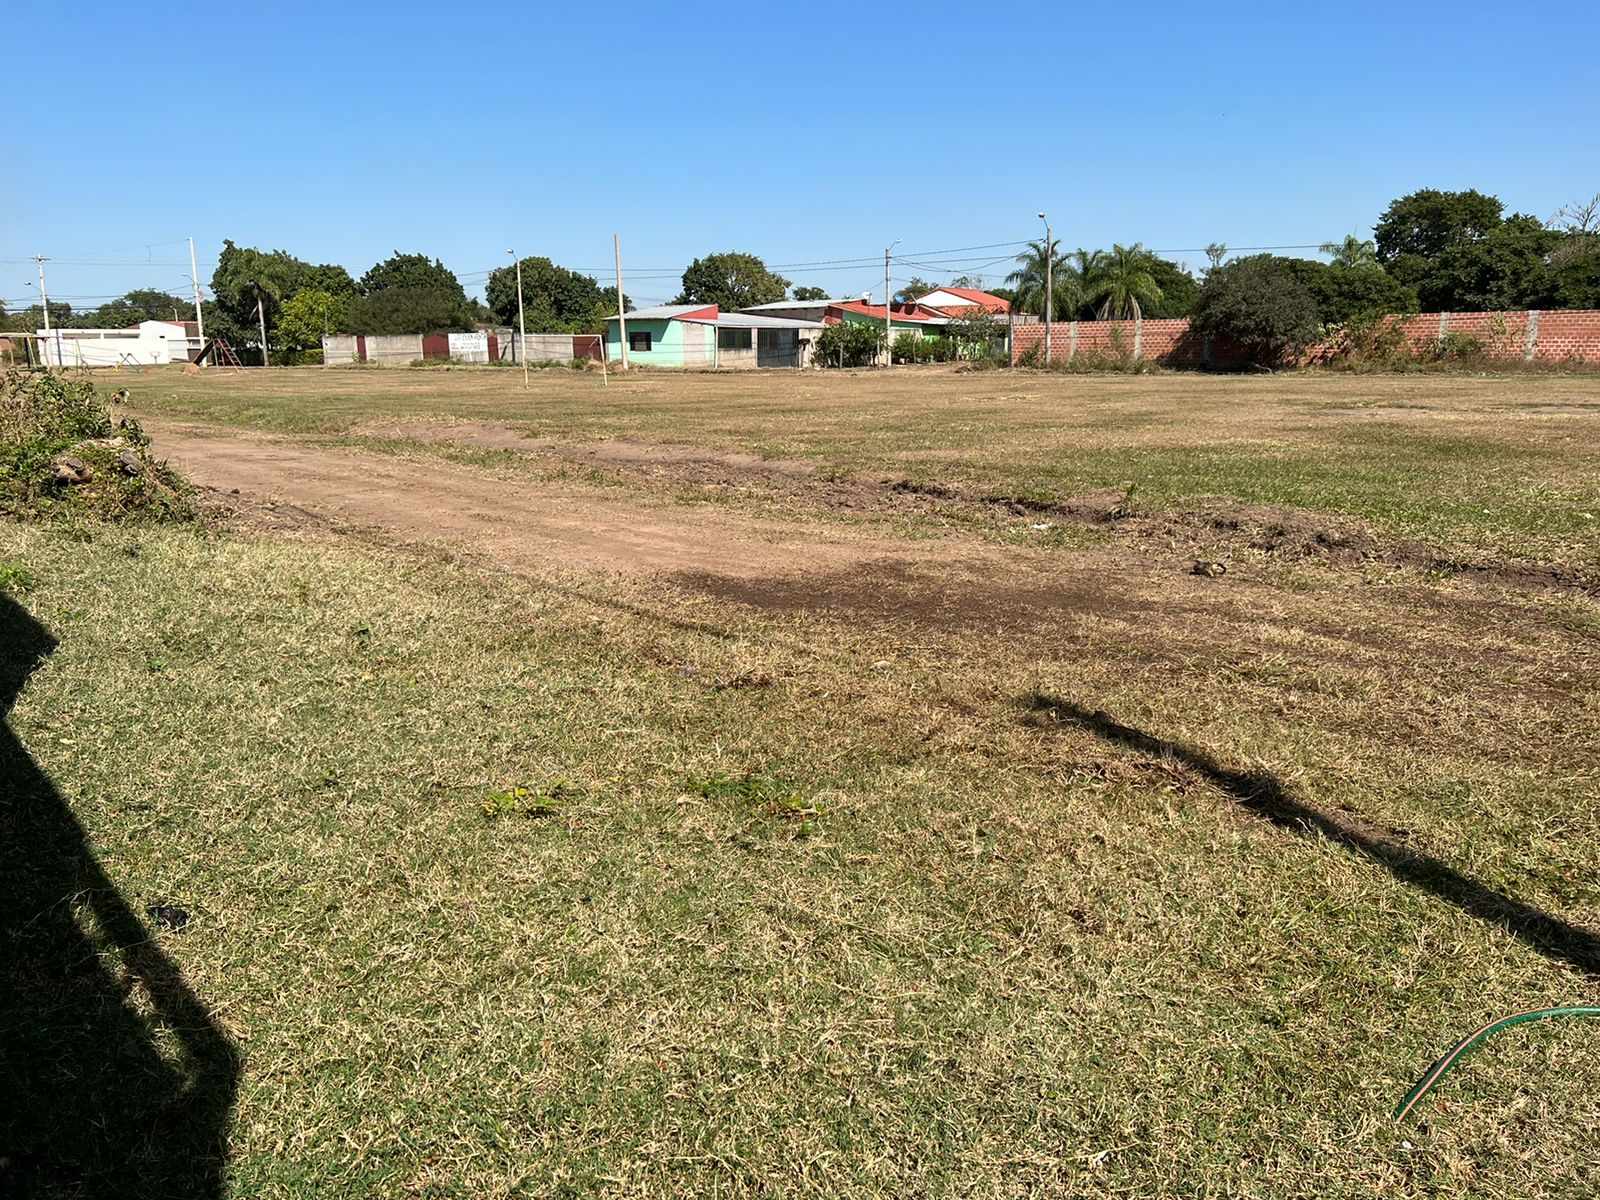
<point x="672" y="343"/>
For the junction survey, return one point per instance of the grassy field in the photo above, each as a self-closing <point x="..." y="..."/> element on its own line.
<point x="1508" y="465"/>
<point x="1069" y="873"/>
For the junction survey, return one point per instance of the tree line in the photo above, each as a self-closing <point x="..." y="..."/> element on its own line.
<point x="1432" y="251"/>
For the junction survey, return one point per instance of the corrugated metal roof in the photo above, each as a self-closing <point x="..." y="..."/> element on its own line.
<point x="755" y="308"/>
<point x="669" y="312"/>
<point x="748" y="320"/>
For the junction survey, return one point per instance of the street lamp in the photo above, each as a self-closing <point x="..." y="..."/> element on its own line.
<point x="522" y="324"/>
<point x="1049" y="284"/>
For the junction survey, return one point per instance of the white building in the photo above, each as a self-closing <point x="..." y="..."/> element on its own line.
<point x="148" y="343"/>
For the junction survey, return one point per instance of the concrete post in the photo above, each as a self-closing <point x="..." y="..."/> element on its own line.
<point x="1138" y="336"/>
<point x="1072" y="341"/>
<point x="1530" y="335"/>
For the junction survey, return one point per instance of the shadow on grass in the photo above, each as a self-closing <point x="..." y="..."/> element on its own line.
<point x="114" y="1079"/>
<point x="1264" y="795"/>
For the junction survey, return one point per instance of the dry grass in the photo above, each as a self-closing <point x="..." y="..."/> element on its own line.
<point x="1172" y="893"/>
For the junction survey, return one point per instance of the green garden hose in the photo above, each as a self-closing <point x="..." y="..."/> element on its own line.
<point x="1459" y="1050"/>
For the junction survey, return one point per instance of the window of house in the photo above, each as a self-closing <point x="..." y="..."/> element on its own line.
<point x="733" y="339"/>
<point x="639" y="341"/>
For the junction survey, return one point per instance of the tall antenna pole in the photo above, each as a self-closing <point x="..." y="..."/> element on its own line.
<point x="622" y="320"/>
<point x="199" y="317"/>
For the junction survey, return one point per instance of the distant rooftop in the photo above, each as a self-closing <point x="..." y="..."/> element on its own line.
<point x="750" y="320"/>
<point x="755" y="308"/>
<point x="673" y="312"/>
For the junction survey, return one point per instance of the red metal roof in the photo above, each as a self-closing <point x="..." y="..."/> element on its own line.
<point x="901" y="312"/>
<point x="980" y="299"/>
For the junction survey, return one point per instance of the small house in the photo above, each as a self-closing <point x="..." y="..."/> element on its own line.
<point x="699" y="335"/>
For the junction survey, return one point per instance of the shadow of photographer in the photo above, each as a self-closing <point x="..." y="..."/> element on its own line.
<point x="114" y="1078"/>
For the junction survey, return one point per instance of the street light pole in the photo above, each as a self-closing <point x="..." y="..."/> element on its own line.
<point x="522" y="324"/>
<point x="44" y="303"/>
<point x="1049" y="284"/>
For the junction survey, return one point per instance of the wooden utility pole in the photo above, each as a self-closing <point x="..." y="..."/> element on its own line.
<point x="261" y="316"/>
<point x="622" y="320"/>
<point x="199" y="317"/>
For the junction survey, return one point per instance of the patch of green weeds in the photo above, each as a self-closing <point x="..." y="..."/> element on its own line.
<point x="770" y="795"/>
<point x="16" y="578"/>
<point x="520" y="801"/>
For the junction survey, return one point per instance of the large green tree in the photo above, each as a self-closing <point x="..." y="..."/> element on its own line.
<point x="410" y="293"/>
<point x="245" y="275"/>
<point x="1426" y="223"/>
<point x="411" y="271"/>
<point x="308" y="315"/>
<point x="1179" y="289"/>
<point x="1259" y="304"/>
<point x="1343" y="294"/>
<point x="731" y="280"/>
<point x="555" y="299"/>
<point x="809" y="293"/>
<point x="1507" y="268"/>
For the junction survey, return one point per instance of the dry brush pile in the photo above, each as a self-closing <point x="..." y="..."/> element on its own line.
<point x="64" y="456"/>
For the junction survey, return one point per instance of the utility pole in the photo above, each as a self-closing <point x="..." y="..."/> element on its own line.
<point x="622" y="320"/>
<point x="522" y="323"/>
<point x="44" y="303"/>
<point x="888" y="303"/>
<point x="199" y="317"/>
<point x="261" y="316"/>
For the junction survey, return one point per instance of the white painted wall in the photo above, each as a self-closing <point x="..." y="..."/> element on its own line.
<point x="150" y="343"/>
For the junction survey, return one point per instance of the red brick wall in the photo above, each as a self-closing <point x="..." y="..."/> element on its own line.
<point x="1555" y="336"/>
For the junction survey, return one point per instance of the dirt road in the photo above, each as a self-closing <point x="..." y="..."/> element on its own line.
<point x="521" y="523"/>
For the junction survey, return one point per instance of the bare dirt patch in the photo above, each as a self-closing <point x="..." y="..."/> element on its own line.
<point x="950" y="594"/>
<point x="521" y="525"/>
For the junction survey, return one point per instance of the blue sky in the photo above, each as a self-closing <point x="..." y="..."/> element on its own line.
<point x="344" y="131"/>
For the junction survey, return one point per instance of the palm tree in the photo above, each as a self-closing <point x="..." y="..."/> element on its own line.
<point x="1028" y="279"/>
<point x="1352" y="252"/>
<point x="1123" y="283"/>
<point x="1066" y="280"/>
<point x="1086" y="267"/>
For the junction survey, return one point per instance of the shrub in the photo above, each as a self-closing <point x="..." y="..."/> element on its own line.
<point x="907" y="347"/>
<point x="848" y="344"/>
<point x="61" y="455"/>
<point x="1458" y="348"/>
<point x="1367" y="343"/>
<point x="1259" y="305"/>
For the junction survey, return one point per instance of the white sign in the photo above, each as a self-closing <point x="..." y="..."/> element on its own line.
<point x="464" y="344"/>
